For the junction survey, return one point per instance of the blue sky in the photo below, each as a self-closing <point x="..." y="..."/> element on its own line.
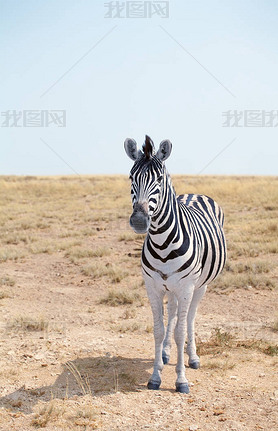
<point x="169" y="77"/>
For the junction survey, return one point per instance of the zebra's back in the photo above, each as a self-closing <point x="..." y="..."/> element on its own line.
<point x="204" y="213"/>
<point x="204" y="204"/>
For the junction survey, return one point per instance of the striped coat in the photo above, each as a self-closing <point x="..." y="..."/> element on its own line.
<point x="193" y="246"/>
<point x="184" y="250"/>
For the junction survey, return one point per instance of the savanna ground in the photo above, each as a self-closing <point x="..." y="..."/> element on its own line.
<point x="76" y="327"/>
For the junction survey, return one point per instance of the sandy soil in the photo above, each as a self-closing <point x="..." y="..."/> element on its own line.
<point x="236" y="387"/>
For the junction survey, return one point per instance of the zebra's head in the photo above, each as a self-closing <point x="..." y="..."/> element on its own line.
<point x="148" y="176"/>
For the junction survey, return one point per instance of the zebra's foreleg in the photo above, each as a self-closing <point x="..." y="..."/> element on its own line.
<point x="172" y="320"/>
<point x="194" y="360"/>
<point x="184" y="301"/>
<point x="156" y="301"/>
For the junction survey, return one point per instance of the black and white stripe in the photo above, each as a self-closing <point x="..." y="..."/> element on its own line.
<point x="183" y="252"/>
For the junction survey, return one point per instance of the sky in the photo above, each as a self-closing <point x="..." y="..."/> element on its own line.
<point x="78" y="77"/>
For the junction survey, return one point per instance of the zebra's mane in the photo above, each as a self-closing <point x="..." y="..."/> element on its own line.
<point x="148" y="148"/>
<point x="148" y="160"/>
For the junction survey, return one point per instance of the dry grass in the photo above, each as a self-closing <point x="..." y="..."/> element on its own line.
<point x="11" y="253"/>
<point x="85" y="418"/>
<point x="218" y="364"/>
<point x="4" y="294"/>
<point x="275" y="326"/>
<point x="230" y="281"/>
<point x="131" y="327"/>
<point x="66" y="415"/>
<point x="114" y="298"/>
<point x="38" y="211"/>
<point x="82" y="253"/>
<point x="218" y="342"/>
<point x="82" y="381"/>
<point x="130" y="313"/>
<point x="127" y="236"/>
<point x="7" y="281"/>
<point x="48" y="412"/>
<point x="98" y="270"/>
<point x="221" y="341"/>
<point x="28" y="324"/>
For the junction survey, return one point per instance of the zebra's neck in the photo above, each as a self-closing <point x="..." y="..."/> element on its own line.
<point x="165" y="225"/>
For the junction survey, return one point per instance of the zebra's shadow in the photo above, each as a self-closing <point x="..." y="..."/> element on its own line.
<point x="94" y="375"/>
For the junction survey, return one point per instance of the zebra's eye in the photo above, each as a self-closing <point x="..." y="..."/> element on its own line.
<point x="159" y="179"/>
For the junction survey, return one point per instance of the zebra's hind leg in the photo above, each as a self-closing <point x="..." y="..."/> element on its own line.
<point x="172" y="320"/>
<point x="194" y="360"/>
<point x="156" y="301"/>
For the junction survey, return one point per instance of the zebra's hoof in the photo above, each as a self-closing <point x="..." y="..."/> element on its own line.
<point x="154" y="385"/>
<point x="183" y="388"/>
<point x="165" y="358"/>
<point x="194" y="364"/>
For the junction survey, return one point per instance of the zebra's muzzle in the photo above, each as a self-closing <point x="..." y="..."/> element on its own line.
<point x="139" y="220"/>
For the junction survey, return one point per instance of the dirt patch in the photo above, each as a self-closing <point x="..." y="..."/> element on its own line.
<point x="113" y="366"/>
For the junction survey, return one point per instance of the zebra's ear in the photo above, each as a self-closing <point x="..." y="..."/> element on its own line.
<point x="164" y="151"/>
<point x="131" y="148"/>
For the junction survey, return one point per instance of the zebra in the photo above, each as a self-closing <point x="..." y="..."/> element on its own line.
<point x="184" y="250"/>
